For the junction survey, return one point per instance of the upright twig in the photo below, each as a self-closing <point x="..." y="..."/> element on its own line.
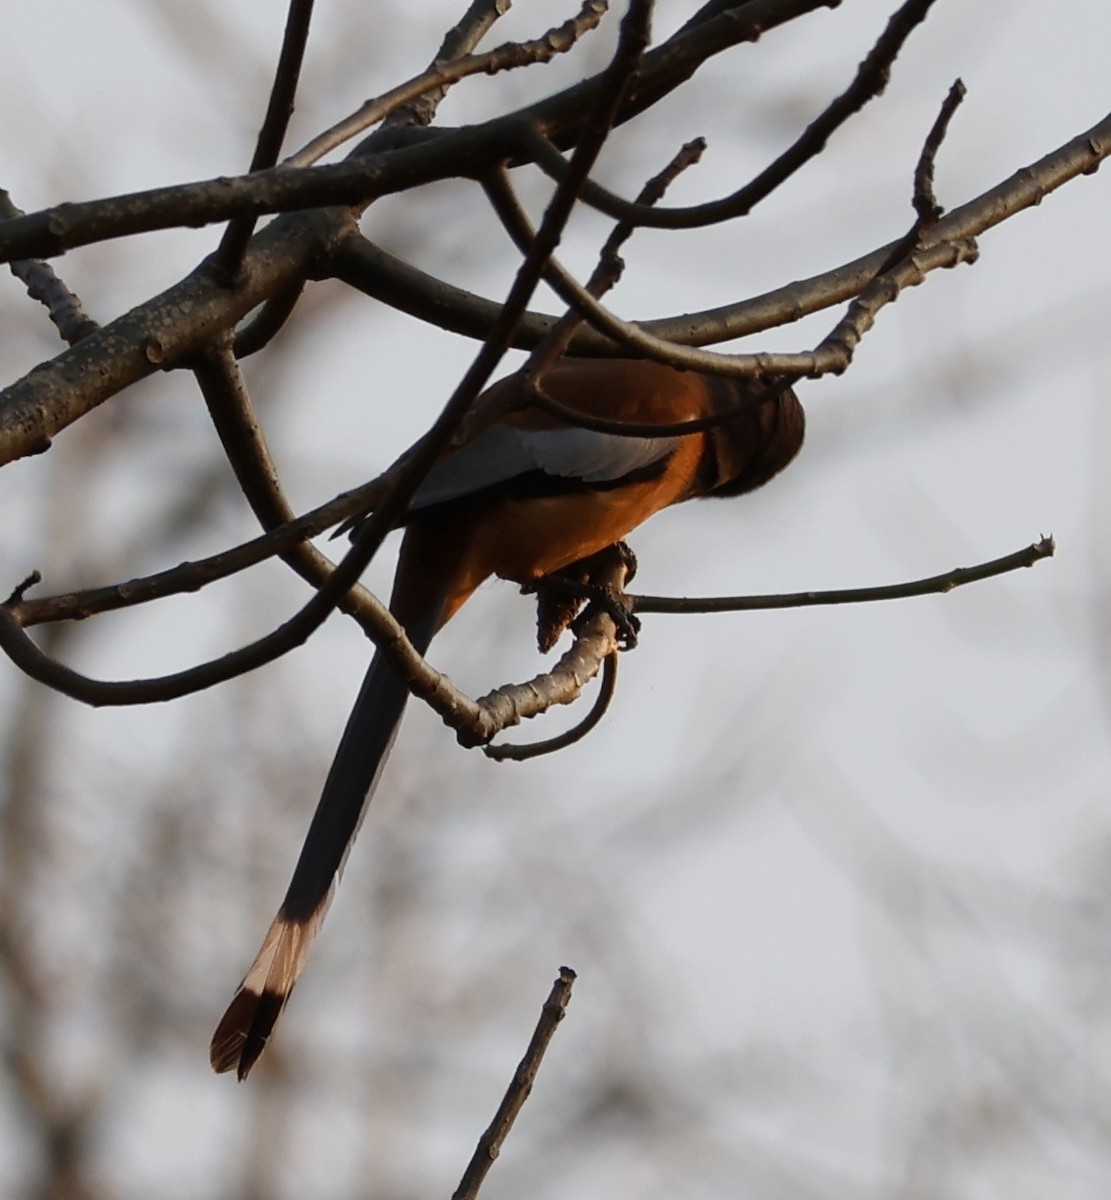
<point x="490" y="1143"/>
<point x="459" y="41"/>
<point x="609" y="268"/>
<point x="925" y="202"/>
<point x="233" y="245"/>
<point x="927" y="211"/>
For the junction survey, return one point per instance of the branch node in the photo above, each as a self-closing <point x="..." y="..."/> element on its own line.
<point x="21" y="589"/>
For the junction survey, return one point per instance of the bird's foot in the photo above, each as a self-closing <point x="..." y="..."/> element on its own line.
<point x="602" y="597"/>
<point x="561" y="596"/>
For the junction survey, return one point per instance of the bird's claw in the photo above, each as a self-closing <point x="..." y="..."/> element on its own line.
<point x="601" y="598"/>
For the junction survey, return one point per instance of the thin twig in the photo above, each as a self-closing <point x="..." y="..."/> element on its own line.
<point x="411" y="101"/>
<point x="474" y="721"/>
<point x="42" y="284"/>
<point x="462" y="152"/>
<point x="871" y="78"/>
<point x="927" y="211"/>
<point x="21" y="589"/>
<point x="514" y="752"/>
<point x="946" y="582"/>
<point x="490" y="1143"/>
<point x="229" y="404"/>
<point x="832" y="356"/>
<point x="268" y="322"/>
<point x="233" y="245"/>
<point x="609" y="268"/>
<point x="459" y="41"/>
<point x="191" y="576"/>
<point x="836" y="349"/>
<point x="233" y="416"/>
<point x="384" y="277"/>
<point x="631" y="42"/>
<point x="925" y="202"/>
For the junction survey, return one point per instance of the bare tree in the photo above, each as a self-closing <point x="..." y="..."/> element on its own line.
<point x="243" y="304"/>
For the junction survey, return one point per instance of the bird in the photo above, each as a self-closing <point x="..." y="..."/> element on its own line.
<point x="521" y="494"/>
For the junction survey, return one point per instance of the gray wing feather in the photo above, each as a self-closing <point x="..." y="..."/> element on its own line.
<point x="502" y="452"/>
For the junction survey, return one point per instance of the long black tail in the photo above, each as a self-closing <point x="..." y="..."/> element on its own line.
<point x="367" y="739"/>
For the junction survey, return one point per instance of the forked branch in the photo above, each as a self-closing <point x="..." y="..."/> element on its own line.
<point x="443" y="73"/>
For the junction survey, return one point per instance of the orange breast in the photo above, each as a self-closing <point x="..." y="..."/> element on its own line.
<point x="524" y="540"/>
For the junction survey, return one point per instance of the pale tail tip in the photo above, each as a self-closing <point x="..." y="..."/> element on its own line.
<point x="243" y="1031"/>
<point x="245" y="1028"/>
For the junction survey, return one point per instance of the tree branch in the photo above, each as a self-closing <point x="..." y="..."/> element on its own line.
<point x="391" y="505"/>
<point x="233" y="245"/>
<point x="268" y="322"/>
<point x="399" y="101"/>
<point x="459" y="41"/>
<point x="871" y="78"/>
<point x="386" y="166"/>
<point x="1027" y="557"/>
<point x="42" y="284"/>
<point x="925" y="202"/>
<point x="490" y="1143"/>
<point x="165" y="331"/>
<point x="514" y="752"/>
<point x="181" y="321"/>
<point x="229" y="405"/>
<point x="595" y="643"/>
<point x="384" y="277"/>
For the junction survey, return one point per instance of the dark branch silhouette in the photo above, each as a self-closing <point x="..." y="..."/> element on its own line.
<point x="233" y="245"/>
<point x="931" y="585"/>
<point x="42" y="284"/>
<point x="520" y="1087"/>
<point x="236" y="300"/>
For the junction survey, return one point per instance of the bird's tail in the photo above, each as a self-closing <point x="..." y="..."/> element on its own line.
<point x="243" y="1030"/>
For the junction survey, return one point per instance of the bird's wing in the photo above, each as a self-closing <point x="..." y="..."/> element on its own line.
<point x="503" y="452"/>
